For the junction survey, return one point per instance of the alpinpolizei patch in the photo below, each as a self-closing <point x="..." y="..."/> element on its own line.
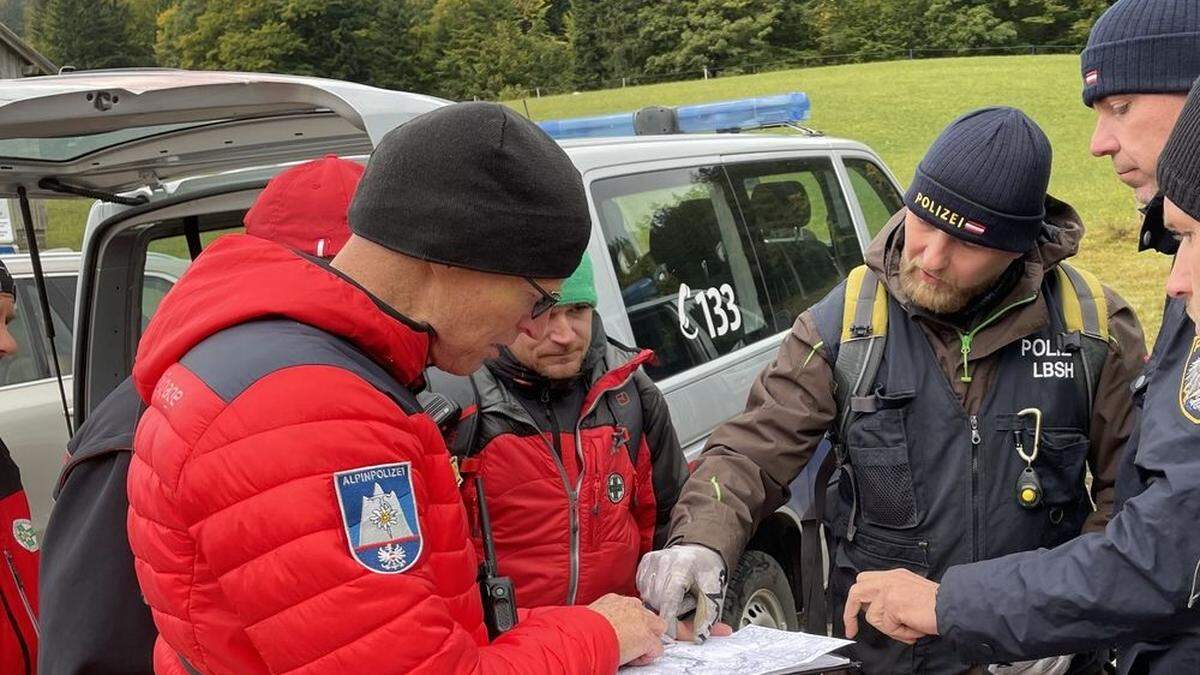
<point x="1189" y="385"/>
<point x="379" y="516"/>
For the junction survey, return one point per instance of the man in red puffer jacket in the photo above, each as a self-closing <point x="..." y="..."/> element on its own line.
<point x="580" y="461"/>
<point x="291" y="507"/>
<point x="86" y="562"/>
<point x="18" y="540"/>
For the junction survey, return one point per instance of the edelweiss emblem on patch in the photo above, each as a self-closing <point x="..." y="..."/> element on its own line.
<point x="1189" y="385"/>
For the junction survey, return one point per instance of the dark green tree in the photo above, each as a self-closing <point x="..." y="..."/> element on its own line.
<point x="793" y="34"/>
<point x="496" y="48"/>
<point x="605" y="41"/>
<point x="89" y="34"/>
<point x="588" y="50"/>
<point x="862" y="29"/>
<point x="688" y="36"/>
<point x="556" y="15"/>
<point x="1085" y="15"/>
<point x="962" y="24"/>
<point x="357" y="40"/>
<point x="398" y="56"/>
<point x="12" y="14"/>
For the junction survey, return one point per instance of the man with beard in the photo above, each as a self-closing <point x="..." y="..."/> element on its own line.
<point x="963" y="396"/>
<point x="1141" y="582"/>
<point x="570" y="435"/>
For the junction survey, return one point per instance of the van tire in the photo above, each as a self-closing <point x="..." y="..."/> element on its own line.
<point x="759" y="594"/>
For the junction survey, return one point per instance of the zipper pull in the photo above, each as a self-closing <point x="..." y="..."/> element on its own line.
<point x="975" y="439"/>
<point x="966" y="352"/>
<point x="545" y="397"/>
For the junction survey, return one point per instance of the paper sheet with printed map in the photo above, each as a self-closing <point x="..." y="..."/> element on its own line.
<point x="753" y="650"/>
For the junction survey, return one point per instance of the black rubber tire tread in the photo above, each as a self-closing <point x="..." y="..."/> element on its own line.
<point x="756" y="570"/>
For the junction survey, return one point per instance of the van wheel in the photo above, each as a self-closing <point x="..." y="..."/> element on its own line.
<point x="759" y="594"/>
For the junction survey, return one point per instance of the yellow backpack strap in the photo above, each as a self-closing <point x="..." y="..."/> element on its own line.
<point x="1085" y="309"/>
<point x="864" y="313"/>
<point x="864" y="333"/>
<point x="1085" y="315"/>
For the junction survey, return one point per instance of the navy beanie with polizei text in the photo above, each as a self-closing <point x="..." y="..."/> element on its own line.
<point x="1142" y="47"/>
<point x="984" y="180"/>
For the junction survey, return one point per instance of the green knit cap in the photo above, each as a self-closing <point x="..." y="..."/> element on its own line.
<point x="579" y="288"/>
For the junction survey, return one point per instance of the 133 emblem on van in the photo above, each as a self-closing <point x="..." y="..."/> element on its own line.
<point x="721" y="313"/>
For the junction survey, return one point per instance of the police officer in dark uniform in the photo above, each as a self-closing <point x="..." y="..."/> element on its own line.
<point x="1137" y="584"/>
<point x="966" y="304"/>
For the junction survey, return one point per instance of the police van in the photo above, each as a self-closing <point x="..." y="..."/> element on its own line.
<point x="706" y="245"/>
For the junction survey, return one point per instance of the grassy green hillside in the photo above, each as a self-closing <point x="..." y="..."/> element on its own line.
<point x="899" y="107"/>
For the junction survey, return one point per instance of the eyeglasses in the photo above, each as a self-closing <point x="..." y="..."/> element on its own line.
<point x="545" y="303"/>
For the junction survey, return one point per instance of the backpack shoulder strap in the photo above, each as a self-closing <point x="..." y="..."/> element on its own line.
<point x="1085" y="315"/>
<point x="854" y="333"/>
<point x="860" y="347"/>
<point x="1085" y="309"/>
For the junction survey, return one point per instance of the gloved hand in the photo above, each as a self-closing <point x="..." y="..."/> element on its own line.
<point x="680" y="578"/>
<point x="1052" y="665"/>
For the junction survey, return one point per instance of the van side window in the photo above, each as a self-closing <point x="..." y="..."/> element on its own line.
<point x="31" y="362"/>
<point x="61" y="292"/>
<point x="154" y="289"/>
<point x="683" y="264"/>
<point x="875" y="192"/>
<point x="167" y="258"/>
<point x="801" y="232"/>
<point x="28" y="364"/>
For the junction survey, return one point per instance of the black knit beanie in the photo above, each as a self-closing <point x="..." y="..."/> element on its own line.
<point x="475" y="185"/>
<point x="6" y="281"/>
<point x="1179" y="163"/>
<point x="984" y="180"/>
<point x="1142" y="46"/>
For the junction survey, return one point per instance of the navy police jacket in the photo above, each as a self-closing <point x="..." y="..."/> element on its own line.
<point x="1136" y="585"/>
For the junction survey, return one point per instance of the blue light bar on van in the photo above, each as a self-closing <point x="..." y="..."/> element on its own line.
<point x="744" y="114"/>
<point x="737" y="115"/>
<point x="620" y="124"/>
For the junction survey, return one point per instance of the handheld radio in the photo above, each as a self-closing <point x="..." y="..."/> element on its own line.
<point x="499" y="598"/>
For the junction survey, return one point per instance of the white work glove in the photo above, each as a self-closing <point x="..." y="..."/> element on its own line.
<point x="673" y="580"/>
<point x="1052" y="665"/>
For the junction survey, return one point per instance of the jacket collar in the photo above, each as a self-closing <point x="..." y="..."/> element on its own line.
<point x="241" y="278"/>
